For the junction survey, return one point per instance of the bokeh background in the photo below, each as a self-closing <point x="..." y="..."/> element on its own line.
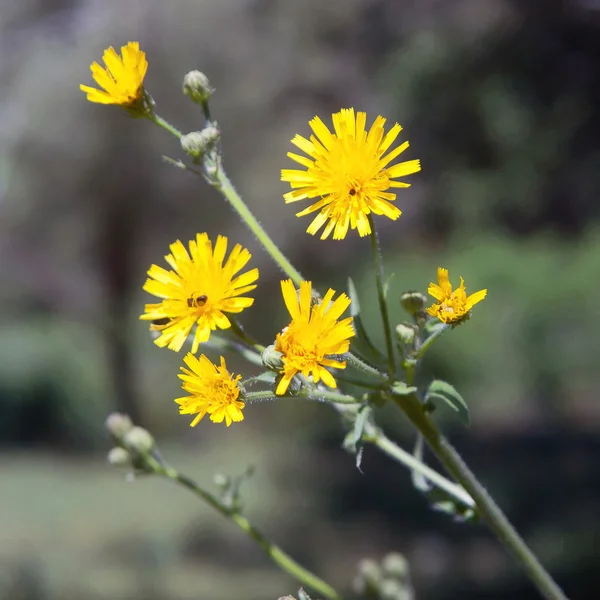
<point x="500" y="100"/>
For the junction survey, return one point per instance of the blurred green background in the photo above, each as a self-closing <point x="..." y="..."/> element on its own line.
<point x="500" y="100"/>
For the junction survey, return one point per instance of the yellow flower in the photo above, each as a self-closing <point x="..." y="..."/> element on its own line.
<point x="213" y="390"/>
<point x="348" y="172"/>
<point x="122" y="79"/>
<point x="313" y="335"/>
<point x="451" y="306"/>
<point x="198" y="291"/>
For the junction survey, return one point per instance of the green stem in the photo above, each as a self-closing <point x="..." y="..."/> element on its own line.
<point x="381" y="297"/>
<point x="309" y="393"/>
<point x="376" y="437"/>
<point x="429" y="341"/>
<point x="276" y="554"/>
<point x="245" y="337"/>
<point x="165" y="125"/>
<point x="361" y="365"/>
<point x="222" y="345"/>
<point x="266" y="395"/>
<point x="224" y="185"/>
<point x="330" y="396"/>
<point x="486" y="506"/>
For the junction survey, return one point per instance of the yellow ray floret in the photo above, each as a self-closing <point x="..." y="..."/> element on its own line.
<point x="349" y="171"/>
<point x="198" y="290"/>
<point x="213" y="391"/>
<point x="122" y="80"/>
<point x="313" y="335"/>
<point x="452" y="306"/>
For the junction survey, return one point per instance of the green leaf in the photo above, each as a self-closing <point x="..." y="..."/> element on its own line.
<point x="361" y="333"/>
<point x="441" y="390"/>
<point x="438" y="498"/>
<point x="401" y="389"/>
<point x="386" y="285"/>
<point x="419" y="480"/>
<point x="362" y="418"/>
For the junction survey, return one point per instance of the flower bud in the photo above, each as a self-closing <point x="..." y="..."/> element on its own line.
<point x="139" y="441"/>
<point x="395" y="566"/>
<point x="271" y="359"/>
<point x="391" y="589"/>
<point x="119" y="457"/>
<point x="118" y="424"/>
<point x="405" y="333"/>
<point x="413" y="302"/>
<point x="197" y="143"/>
<point x="368" y="578"/>
<point x="197" y="86"/>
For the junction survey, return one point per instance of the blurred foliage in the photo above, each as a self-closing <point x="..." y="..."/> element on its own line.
<point x="528" y="351"/>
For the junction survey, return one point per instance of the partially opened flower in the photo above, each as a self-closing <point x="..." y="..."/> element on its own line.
<point x="349" y="171"/>
<point x="122" y="79"/>
<point x="452" y="306"/>
<point x="313" y="335"/>
<point x="213" y="391"/>
<point x="201" y="287"/>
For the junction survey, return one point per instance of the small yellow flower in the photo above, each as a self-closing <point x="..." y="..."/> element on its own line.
<point x="451" y="306"/>
<point x="348" y="172"/>
<point x="198" y="291"/>
<point x="122" y="79"/>
<point x="213" y="390"/>
<point x="313" y="335"/>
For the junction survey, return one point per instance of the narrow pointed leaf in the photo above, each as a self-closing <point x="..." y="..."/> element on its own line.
<point x="442" y="391"/>
<point x="401" y="389"/>
<point x="361" y="333"/>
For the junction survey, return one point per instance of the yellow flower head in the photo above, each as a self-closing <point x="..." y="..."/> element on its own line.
<point x="313" y="335"/>
<point x="199" y="290"/>
<point x="348" y="172"/>
<point x="451" y="306"/>
<point x="212" y="390"/>
<point x="122" y="79"/>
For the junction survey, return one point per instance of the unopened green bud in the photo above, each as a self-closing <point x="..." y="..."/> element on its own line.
<point x="197" y="86"/>
<point x="405" y="333"/>
<point x="395" y="566"/>
<point x="391" y="589"/>
<point x="118" y="424"/>
<point x="139" y="441"/>
<point x="272" y="359"/>
<point x="197" y="143"/>
<point x="368" y="578"/>
<point x="413" y="302"/>
<point x="119" y="457"/>
<point x="302" y="595"/>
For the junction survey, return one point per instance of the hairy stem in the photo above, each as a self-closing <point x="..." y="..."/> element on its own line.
<point x="224" y="185"/>
<point x="486" y="506"/>
<point x="383" y="308"/>
<point x="276" y="554"/>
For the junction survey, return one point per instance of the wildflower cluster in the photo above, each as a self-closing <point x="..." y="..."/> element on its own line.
<point x="350" y="173"/>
